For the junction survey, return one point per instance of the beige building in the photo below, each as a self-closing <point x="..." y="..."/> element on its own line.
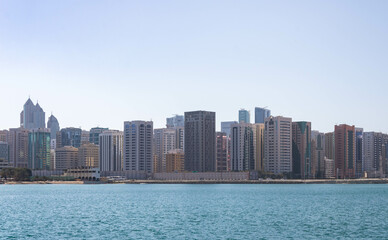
<point x="88" y="155"/>
<point x="278" y="145"/>
<point x="175" y="161"/>
<point x="329" y="145"/>
<point x="3" y="135"/>
<point x="18" y="147"/>
<point x="66" y="158"/>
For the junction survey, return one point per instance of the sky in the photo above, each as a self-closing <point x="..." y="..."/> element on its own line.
<point x="100" y="63"/>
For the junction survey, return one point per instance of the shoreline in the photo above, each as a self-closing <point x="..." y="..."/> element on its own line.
<point x="274" y="181"/>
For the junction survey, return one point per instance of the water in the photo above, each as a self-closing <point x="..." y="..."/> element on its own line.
<point x="193" y="211"/>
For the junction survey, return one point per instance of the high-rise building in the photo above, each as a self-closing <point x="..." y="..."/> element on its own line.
<point x="88" y="155"/>
<point x="278" y="145"/>
<point x="69" y="137"/>
<point x="373" y="153"/>
<point x="359" y="152"/>
<point x="85" y="137"/>
<point x="200" y="141"/>
<point x="164" y="141"/>
<point x="317" y="154"/>
<point x="176" y="121"/>
<point x="32" y="116"/>
<point x="39" y="149"/>
<point x="329" y="168"/>
<point x="53" y="125"/>
<point x="138" y="147"/>
<point x="301" y="149"/>
<point x="258" y="145"/>
<point x="329" y="145"/>
<point x="4" y="135"/>
<point x="18" y="147"/>
<point x="244" y="116"/>
<point x="66" y="158"/>
<point x="242" y="150"/>
<point x="180" y="138"/>
<point x="94" y="134"/>
<point x="261" y="114"/>
<point x="175" y="161"/>
<point x="111" y="150"/>
<point x="227" y="126"/>
<point x="221" y="152"/>
<point x="345" y="151"/>
<point x="4" y="153"/>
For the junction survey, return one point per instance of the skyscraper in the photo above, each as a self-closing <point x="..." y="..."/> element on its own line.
<point x="278" y="145"/>
<point x="176" y="121"/>
<point x="372" y="152"/>
<point x="329" y="145"/>
<point x="69" y="137"/>
<point x="345" y="151"/>
<point x="244" y="116"/>
<point x="301" y="149"/>
<point x="200" y="141"/>
<point x="94" y="134"/>
<point x="242" y="148"/>
<point x="221" y="152"/>
<point x="3" y="135"/>
<point x="32" y="116"/>
<point x="261" y="114"/>
<point x="138" y="154"/>
<point x="258" y="145"/>
<point x="39" y="149"/>
<point x="359" y="152"/>
<point x="53" y="125"/>
<point x="4" y="153"/>
<point x="317" y="154"/>
<point x="111" y="151"/>
<point x="227" y="126"/>
<point x="164" y="141"/>
<point x="18" y="147"/>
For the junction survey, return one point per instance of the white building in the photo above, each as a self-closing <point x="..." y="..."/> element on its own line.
<point x="138" y="146"/>
<point x="111" y="150"/>
<point x="278" y="145"/>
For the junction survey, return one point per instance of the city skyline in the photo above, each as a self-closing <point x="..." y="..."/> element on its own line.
<point x="322" y="62"/>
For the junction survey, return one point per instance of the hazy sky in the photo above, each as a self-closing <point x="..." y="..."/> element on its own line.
<point x="105" y="62"/>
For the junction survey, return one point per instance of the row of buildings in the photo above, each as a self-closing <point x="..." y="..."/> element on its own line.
<point x="190" y="143"/>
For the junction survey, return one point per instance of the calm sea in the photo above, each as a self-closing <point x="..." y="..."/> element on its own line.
<point x="193" y="211"/>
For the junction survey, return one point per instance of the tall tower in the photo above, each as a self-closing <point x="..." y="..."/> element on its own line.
<point x="301" y="149"/>
<point x="244" y="116"/>
<point x="69" y="137"/>
<point x="18" y="147"/>
<point x="111" y="151"/>
<point x="138" y="154"/>
<point x="94" y="134"/>
<point x="258" y="145"/>
<point x="39" y="149"/>
<point x="164" y="141"/>
<point x="317" y="154"/>
<point x="261" y="114"/>
<point x="200" y="141"/>
<point x="222" y="152"/>
<point x="278" y="145"/>
<point x="345" y="151"/>
<point x="242" y="147"/>
<point x="53" y="125"/>
<point x="32" y="116"/>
